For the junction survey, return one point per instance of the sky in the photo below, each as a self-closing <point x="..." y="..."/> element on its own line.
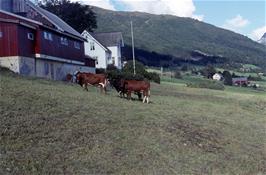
<point x="247" y="17"/>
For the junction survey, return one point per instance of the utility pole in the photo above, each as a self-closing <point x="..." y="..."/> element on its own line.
<point x="133" y="51"/>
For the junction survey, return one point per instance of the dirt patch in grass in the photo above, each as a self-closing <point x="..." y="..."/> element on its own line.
<point x="192" y="134"/>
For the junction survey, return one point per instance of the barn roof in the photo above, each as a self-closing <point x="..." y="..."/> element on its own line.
<point x="109" y="39"/>
<point x="56" y="21"/>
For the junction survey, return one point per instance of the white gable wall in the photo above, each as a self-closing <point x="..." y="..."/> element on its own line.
<point x="104" y="58"/>
<point x="116" y="53"/>
<point x="99" y="53"/>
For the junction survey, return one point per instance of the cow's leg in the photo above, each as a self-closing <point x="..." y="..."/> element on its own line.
<point x="139" y="95"/>
<point x="86" y="87"/>
<point x="144" y="99"/>
<point x="148" y="96"/>
<point x="129" y="95"/>
<point x="103" y="88"/>
<point x="120" y="94"/>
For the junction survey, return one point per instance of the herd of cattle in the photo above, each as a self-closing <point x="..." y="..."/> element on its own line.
<point x="122" y="86"/>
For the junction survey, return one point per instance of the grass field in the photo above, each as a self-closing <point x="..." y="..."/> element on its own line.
<point x="50" y="127"/>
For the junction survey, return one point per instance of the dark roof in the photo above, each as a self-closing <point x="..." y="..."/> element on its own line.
<point x="109" y="39"/>
<point x="56" y="21"/>
<point x="85" y="33"/>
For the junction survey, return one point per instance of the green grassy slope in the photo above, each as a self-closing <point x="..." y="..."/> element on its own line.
<point x="178" y="37"/>
<point x="52" y="127"/>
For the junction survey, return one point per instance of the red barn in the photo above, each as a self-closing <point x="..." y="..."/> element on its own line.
<point x="36" y="42"/>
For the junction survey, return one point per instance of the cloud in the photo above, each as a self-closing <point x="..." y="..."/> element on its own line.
<point x="236" y="23"/>
<point x="106" y="4"/>
<point x="257" y="33"/>
<point x="182" y="8"/>
<point x="198" y="17"/>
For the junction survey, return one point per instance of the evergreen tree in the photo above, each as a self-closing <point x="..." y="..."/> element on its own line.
<point x="227" y="78"/>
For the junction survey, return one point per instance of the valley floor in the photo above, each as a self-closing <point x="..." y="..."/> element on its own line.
<point x="50" y="127"/>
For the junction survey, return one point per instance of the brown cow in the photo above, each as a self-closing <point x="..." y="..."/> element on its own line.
<point x="69" y="78"/>
<point x="85" y="79"/>
<point x="130" y="86"/>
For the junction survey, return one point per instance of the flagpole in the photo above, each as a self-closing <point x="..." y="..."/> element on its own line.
<point x="133" y="51"/>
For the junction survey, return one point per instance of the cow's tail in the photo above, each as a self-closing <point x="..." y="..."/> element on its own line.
<point x="105" y="85"/>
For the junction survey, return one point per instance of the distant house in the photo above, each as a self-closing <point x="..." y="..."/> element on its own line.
<point x="96" y="50"/>
<point x="217" y="77"/>
<point x="105" y="48"/>
<point x="240" y="81"/>
<point x="36" y="42"/>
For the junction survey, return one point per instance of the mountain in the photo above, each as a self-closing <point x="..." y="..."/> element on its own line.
<point x="263" y="39"/>
<point x="166" y="40"/>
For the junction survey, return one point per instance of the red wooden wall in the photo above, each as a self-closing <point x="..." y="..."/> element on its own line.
<point x="26" y="46"/>
<point x="15" y="42"/>
<point x="9" y="39"/>
<point x="56" y="49"/>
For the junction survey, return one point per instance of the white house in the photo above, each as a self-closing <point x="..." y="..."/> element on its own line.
<point x="105" y="48"/>
<point x="217" y="77"/>
<point x="97" y="51"/>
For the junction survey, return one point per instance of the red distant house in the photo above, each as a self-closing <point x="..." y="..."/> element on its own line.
<point x="240" y="81"/>
<point x="36" y="42"/>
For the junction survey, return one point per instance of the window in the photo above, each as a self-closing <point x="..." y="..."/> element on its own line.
<point x="48" y="36"/>
<point x="113" y="60"/>
<point x="92" y="45"/>
<point x="30" y="36"/>
<point x="64" y="41"/>
<point x="76" y="45"/>
<point x="1" y="34"/>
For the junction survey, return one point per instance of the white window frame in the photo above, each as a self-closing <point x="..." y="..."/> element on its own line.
<point x="64" y="41"/>
<point x="76" y="45"/>
<point x="1" y="34"/>
<point x="48" y="36"/>
<point x="30" y="36"/>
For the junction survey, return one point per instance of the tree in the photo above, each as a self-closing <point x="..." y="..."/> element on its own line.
<point x="227" y="78"/>
<point x="184" y="68"/>
<point x="140" y="72"/>
<point x="140" y="68"/>
<point x="80" y="17"/>
<point x="208" y="71"/>
<point x="178" y="74"/>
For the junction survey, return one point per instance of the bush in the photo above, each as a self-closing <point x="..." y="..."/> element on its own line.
<point x="227" y="78"/>
<point x="184" y="68"/>
<point x="208" y="71"/>
<point x="141" y="72"/>
<point x="100" y="71"/>
<point x="153" y="76"/>
<point x="177" y="74"/>
<point x="209" y="84"/>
